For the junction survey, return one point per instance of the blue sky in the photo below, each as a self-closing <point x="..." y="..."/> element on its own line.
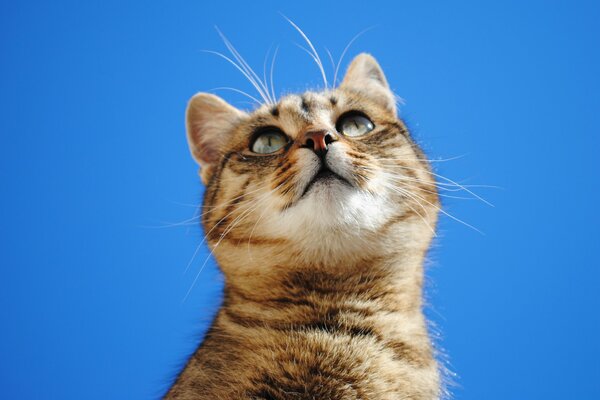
<point x="94" y="168"/>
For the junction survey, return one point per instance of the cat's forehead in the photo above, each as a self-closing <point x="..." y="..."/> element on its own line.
<point x="305" y="102"/>
<point x="300" y="106"/>
<point x="298" y="111"/>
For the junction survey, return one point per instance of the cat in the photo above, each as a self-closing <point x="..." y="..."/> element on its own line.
<point x="319" y="210"/>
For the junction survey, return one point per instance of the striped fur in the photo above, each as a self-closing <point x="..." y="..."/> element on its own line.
<point x="323" y="288"/>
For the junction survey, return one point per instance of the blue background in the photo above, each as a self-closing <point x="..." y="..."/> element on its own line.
<point x="94" y="167"/>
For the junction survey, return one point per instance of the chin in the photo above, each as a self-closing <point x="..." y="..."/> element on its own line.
<point x="328" y="192"/>
<point x="333" y="206"/>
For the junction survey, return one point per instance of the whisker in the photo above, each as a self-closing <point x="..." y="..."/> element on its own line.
<point x="262" y="214"/>
<point x="337" y="67"/>
<point x="407" y="183"/>
<point x="423" y="159"/>
<point x="212" y="208"/>
<point x="315" y="54"/>
<point x="256" y="86"/>
<point x="421" y="216"/>
<point x="416" y="197"/>
<point x="404" y="192"/>
<point x="205" y="238"/>
<point x="440" y="209"/>
<point x="332" y="63"/>
<point x="240" y="92"/>
<point x="243" y="215"/>
<point x="217" y="223"/>
<point x="265" y="70"/>
<point x="236" y="221"/>
<point x="272" y="68"/>
<point x="310" y="54"/>
<point x="404" y="179"/>
<point x="178" y="203"/>
<point x="187" y="267"/>
<point x="425" y="183"/>
<point x="450" y="181"/>
<point x="185" y="222"/>
<point x="245" y="65"/>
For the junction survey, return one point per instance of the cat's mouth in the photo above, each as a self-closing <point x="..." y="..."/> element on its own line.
<point x="325" y="176"/>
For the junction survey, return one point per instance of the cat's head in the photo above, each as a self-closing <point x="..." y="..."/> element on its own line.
<point x="321" y="175"/>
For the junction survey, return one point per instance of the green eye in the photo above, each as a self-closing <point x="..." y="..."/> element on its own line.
<point x="354" y="125"/>
<point x="268" y="142"/>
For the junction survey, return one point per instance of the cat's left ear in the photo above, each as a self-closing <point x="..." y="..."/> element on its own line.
<point x="365" y="75"/>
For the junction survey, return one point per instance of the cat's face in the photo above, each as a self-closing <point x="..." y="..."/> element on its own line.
<point x="327" y="175"/>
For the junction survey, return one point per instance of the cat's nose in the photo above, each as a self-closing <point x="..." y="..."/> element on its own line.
<point x="318" y="141"/>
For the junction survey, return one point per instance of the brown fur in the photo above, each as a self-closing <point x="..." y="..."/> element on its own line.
<point x="323" y="292"/>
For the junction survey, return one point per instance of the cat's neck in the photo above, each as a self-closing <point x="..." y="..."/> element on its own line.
<point x="392" y="281"/>
<point x="378" y="300"/>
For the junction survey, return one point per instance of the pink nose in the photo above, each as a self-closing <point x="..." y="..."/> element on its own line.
<point x="318" y="141"/>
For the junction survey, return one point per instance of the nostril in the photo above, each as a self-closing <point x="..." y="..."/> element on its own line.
<point x="318" y="141"/>
<point x="329" y="139"/>
<point x="309" y="143"/>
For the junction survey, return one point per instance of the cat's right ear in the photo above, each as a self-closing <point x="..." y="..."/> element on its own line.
<point x="209" y="121"/>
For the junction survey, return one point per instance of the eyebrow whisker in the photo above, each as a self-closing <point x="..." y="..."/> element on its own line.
<point x="314" y="53"/>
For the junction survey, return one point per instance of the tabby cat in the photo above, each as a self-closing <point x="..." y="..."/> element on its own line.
<point x="319" y="210"/>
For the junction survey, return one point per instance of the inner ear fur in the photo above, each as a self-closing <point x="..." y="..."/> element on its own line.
<point x="365" y="75"/>
<point x="209" y="124"/>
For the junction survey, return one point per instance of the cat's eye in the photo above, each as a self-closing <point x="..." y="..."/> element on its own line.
<point x="268" y="141"/>
<point x="354" y="124"/>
